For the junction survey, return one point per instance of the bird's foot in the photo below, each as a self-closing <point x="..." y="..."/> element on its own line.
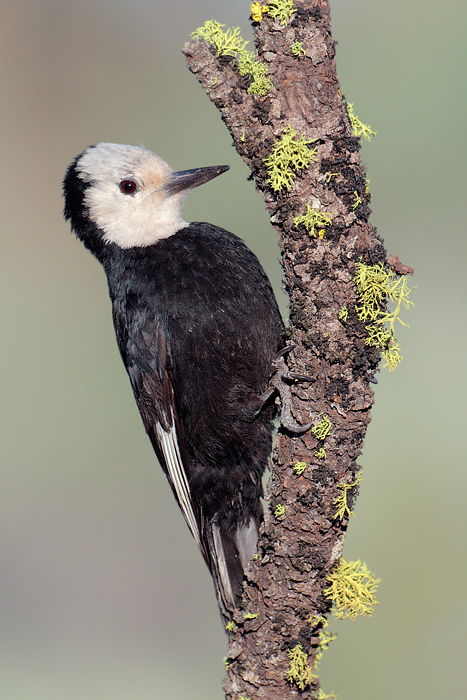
<point x="279" y="382"/>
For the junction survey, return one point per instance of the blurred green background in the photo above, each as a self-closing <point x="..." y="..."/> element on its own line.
<point x="102" y="591"/>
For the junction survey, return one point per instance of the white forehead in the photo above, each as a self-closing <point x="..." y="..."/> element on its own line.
<point x="112" y="162"/>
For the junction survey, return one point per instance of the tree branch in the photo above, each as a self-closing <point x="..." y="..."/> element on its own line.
<point x="301" y="539"/>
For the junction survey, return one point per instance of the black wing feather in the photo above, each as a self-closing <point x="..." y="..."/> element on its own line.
<point x="143" y="346"/>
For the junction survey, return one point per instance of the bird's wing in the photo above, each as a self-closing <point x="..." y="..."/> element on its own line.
<point x="175" y="470"/>
<point x="147" y="359"/>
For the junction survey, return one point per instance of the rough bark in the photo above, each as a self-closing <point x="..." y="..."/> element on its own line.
<point x="298" y="549"/>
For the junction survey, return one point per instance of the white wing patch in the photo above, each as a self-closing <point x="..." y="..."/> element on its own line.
<point x="222" y="581"/>
<point x="169" y="445"/>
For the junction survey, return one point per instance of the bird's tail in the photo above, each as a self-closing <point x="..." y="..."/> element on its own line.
<point x="229" y="552"/>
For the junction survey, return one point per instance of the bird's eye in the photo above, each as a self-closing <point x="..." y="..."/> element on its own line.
<point x="128" y="187"/>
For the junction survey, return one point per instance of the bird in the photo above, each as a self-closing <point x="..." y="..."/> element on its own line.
<point x="199" y="332"/>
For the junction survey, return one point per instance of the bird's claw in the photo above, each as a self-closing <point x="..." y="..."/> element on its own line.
<point x="293" y="376"/>
<point x="283" y="352"/>
<point x="278" y="382"/>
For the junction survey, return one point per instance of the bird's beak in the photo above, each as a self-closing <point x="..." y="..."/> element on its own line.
<point x="187" y="179"/>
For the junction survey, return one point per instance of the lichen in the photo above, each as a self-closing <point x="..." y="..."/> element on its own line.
<point x="288" y="156"/>
<point x="390" y="348"/>
<point x="257" y="11"/>
<point x="282" y="9"/>
<point x="343" y="314"/>
<point x="279" y="511"/>
<point x="321" y="453"/>
<point x="297" y="49"/>
<point x="352" y="590"/>
<point x="299" y="468"/>
<point x="251" y="616"/>
<point x="229" y="42"/>
<point x="358" y="127"/>
<point x="249" y="64"/>
<point x="314" y="218"/>
<point x="322" y="429"/>
<point x="315" y="620"/>
<point x="357" y="200"/>
<point x="340" y="501"/>
<point x="375" y="287"/>
<point x="299" y="671"/>
<point x="325" y="639"/>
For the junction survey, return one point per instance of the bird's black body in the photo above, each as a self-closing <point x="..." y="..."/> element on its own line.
<point x="197" y="307"/>
<point x="198" y="328"/>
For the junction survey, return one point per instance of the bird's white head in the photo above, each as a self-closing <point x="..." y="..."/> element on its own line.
<point x="133" y="196"/>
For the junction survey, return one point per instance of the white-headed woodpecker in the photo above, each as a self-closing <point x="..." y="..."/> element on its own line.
<point x="198" y="330"/>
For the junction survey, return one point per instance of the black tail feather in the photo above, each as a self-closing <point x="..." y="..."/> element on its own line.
<point x="229" y="554"/>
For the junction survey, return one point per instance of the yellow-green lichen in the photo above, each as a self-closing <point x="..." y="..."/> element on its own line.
<point x="299" y="468"/>
<point x="282" y="9"/>
<point x="229" y="626"/>
<point x="321" y="453"/>
<point x="279" y="511"/>
<point x="229" y="42"/>
<point x="315" y="620"/>
<point x="340" y="501"/>
<point x="324" y="696"/>
<point x="322" y="429"/>
<point x="249" y="64"/>
<point x="251" y="616"/>
<point x="382" y="338"/>
<point x="343" y="314"/>
<point x="329" y="177"/>
<point x="358" y="127"/>
<point x="297" y="49"/>
<point x="375" y="287"/>
<point x="352" y="590"/>
<point x="288" y="156"/>
<point x="357" y="201"/>
<point x="325" y="639"/>
<point x="313" y="219"/>
<point x="299" y="671"/>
